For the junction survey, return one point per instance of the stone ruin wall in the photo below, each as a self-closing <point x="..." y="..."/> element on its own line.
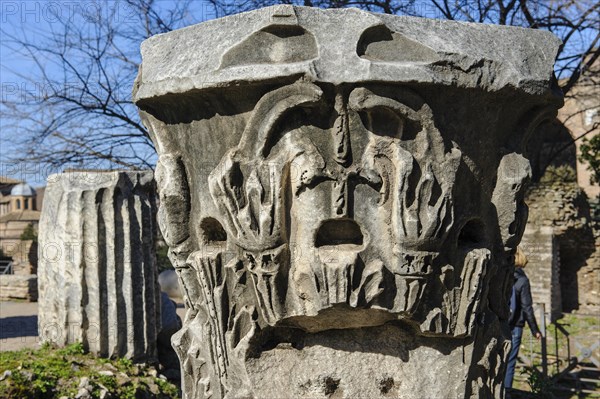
<point x="563" y="249"/>
<point x="18" y="286"/>
<point x="24" y="254"/>
<point x="22" y="284"/>
<point x="542" y="268"/>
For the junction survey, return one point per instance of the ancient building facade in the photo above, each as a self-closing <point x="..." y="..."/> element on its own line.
<point x="18" y="264"/>
<point x="18" y="210"/>
<point x="580" y="115"/>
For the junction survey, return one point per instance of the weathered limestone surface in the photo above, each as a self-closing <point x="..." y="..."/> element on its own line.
<point x="97" y="267"/>
<point x="342" y="192"/>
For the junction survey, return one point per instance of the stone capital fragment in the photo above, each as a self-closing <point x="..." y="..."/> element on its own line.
<point x="342" y="192"/>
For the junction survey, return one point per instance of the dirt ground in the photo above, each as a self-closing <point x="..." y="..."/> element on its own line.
<point x="18" y="325"/>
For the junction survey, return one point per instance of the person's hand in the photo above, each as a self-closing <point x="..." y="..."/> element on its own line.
<point x="538" y="335"/>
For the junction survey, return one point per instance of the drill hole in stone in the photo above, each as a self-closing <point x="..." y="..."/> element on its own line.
<point x="331" y="385"/>
<point x="339" y="232"/>
<point x="212" y="231"/>
<point x="386" y="385"/>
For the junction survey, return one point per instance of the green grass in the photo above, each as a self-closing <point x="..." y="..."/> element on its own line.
<point x="51" y="372"/>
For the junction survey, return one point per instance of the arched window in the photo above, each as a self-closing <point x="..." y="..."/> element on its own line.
<point x="26" y="203"/>
<point x="18" y="204"/>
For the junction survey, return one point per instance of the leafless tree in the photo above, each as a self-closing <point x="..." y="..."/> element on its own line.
<point x="73" y="108"/>
<point x="228" y="7"/>
<point x="70" y="104"/>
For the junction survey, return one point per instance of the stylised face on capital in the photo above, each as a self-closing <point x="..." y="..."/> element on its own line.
<point x="352" y="212"/>
<point x="334" y="207"/>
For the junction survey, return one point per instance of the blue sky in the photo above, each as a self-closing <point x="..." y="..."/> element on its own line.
<point x="34" y="18"/>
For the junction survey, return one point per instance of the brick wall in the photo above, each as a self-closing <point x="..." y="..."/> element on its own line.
<point x="543" y="268"/>
<point x="563" y="249"/>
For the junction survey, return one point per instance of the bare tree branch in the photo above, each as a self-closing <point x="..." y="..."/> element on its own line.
<point x="75" y="103"/>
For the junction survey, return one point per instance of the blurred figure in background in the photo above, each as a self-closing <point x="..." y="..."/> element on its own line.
<point x="521" y="310"/>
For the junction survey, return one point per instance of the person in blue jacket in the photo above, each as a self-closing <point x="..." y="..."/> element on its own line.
<point x="521" y="306"/>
